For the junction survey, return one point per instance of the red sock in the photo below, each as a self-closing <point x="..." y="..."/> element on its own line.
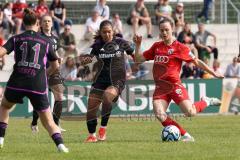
<point x="169" y="121"/>
<point x="200" y="105"/>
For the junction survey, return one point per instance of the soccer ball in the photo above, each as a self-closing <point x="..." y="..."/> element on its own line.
<point x="170" y="133"/>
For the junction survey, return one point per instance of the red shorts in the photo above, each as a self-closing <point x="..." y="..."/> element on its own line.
<point x="177" y="94"/>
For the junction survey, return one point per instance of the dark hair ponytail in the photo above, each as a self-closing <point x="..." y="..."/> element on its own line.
<point x="29" y="17"/>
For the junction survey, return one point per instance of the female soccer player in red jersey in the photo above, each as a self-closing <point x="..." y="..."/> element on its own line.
<point x="32" y="50"/>
<point x="168" y="56"/>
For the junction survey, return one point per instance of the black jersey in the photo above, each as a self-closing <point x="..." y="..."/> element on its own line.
<point x="111" y="59"/>
<point x="53" y="41"/>
<point x="32" y="50"/>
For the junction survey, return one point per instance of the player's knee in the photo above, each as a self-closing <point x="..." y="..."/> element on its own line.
<point x="107" y="99"/>
<point x="6" y="105"/>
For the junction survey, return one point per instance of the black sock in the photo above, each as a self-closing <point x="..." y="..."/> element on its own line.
<point x="56" y="119"/>
<point x="3" y="127"/>
<point x="104" y="120"/>
<point x="91" y="125"/>
<point x="57" y="111"/>
<point x="35" y="118"/>
<point x="106" y="112"/>
<point x="57" y="138"/>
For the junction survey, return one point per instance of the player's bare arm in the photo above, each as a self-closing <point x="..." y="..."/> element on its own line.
<point x="138" y="57"/>
<point x="54" y="65"/>
<point x="3" y="51"/>
<point x="206" y="68"/>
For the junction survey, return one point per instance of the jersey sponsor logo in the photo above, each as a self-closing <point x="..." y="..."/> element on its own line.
<point x="161" y="59"/>
<point x="117" y="54"/>
<point x="106" y="55"/>
<point x="170" y="51"/>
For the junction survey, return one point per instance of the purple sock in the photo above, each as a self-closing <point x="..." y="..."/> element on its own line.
<point x="57" y="138"/>
<point x="3" y="127"/>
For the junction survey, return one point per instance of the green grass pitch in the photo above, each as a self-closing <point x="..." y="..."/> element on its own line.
<point x="216" y="138"/>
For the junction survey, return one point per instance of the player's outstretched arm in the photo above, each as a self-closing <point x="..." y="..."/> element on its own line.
<point x="3" y="51"/>
<point x="138" y="57"/>
<point x="206" y="68"/>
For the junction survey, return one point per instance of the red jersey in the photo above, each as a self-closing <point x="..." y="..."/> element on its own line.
<point x="18" y="9"/>
<point x="42" y="10"/>
<point x="1" y="41"/>
<point x="168" y="60"/>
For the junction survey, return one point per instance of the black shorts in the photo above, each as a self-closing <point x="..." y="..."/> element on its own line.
<point x="55" y="79"/>
<point x="99" y="88"/>
<point x="38" y="101"/>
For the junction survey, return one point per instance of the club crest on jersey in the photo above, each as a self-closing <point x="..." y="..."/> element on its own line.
<point x="170" y="51"/>
<point x="118" y="54"/>
<point x="179" y="91"/>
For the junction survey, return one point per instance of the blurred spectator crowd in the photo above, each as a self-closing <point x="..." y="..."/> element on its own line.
<point x="11" y="14"/>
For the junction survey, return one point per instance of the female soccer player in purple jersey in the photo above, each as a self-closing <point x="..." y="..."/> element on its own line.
<point x="32" y="50"/>
<point x="110" y="78"/>
<point x="55" y="81"/>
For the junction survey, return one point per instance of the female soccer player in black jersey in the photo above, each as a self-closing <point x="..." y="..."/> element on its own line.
<point x="55" y="80"/>
<point x="109" y="80"/>
<point x="32" y="50"/>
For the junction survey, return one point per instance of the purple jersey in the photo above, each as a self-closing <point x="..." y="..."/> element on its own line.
<point x="32" y="50"/>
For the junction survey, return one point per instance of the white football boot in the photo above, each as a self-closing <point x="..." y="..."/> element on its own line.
<point x="187" y="138"/>
<point x="62" y="148"/>
<point x="34" y="129"/>
<point x="1" y="142"/>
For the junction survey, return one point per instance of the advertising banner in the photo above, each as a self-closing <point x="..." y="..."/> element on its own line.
<point x="136" y="98"/>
